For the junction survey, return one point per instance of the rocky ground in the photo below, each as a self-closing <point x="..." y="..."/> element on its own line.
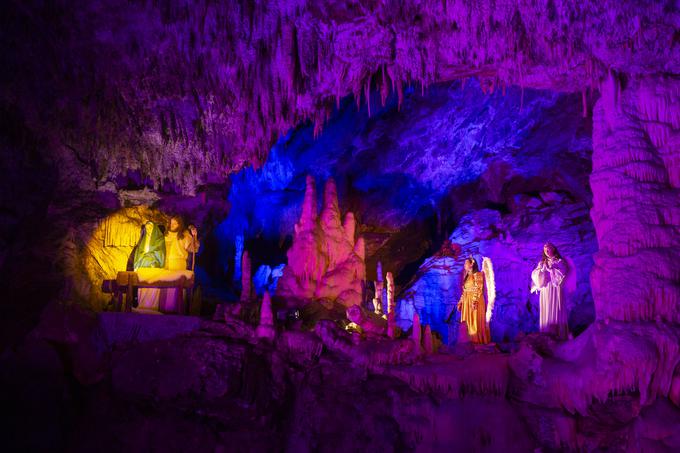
<point x="115" y="382"/>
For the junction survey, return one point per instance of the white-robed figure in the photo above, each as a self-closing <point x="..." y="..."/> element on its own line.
<point x="548" y="280"/>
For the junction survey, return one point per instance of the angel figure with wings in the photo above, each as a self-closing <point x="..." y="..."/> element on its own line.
<point x="474" y="310"/>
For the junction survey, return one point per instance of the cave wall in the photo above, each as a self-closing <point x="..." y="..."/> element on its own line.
<point x="636" y="190"/>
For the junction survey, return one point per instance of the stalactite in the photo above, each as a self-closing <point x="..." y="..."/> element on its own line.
<point x="272" y="68"/>
<point x="584" y="103"/>
<point x="384" y="87"/>
<point x="368" y="95"/>
<point x="246" y="281"/>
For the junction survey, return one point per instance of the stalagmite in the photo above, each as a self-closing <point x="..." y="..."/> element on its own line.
<point x="391" y="325"/>
<point x="349" y="225"/>
<point x="416" y="334"/>
<point x="309" y="207"/>
<point x="266" y="327"/>
<point x="390" y="293"/>
<point x="427" y="340"/>
<point x="330" y="215"/>
<point x="378" y="296"/>
<point x="246" y="282"/>
<point x="325" y="261"/>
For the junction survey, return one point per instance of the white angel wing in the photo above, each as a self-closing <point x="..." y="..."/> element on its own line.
<point x="487" y="268"/>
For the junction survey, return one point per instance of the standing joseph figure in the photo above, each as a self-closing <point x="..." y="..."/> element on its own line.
<point x="179" y="243"/>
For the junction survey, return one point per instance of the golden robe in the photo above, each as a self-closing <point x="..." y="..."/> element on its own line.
<point x="472" y="306"/>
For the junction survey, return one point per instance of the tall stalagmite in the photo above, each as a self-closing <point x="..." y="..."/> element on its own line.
<point x="325" y="261"/>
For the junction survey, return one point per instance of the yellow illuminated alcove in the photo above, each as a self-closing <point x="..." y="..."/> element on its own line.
<point x="108" y="250"/>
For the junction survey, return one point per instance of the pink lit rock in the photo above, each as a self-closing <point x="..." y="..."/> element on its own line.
<point x="301" y="347"/>
<point x="265" y="328"/>
<point x="428" y="342"/>
<point x="391" y="305"/>
<point x="374" y="352"/>
<point x="636" y="360"/>
<point x="368" y="321"/>
<point x="379" y="286"/>
<point x="416" y="334"/>
<point x="392" y="328"/>
<point x="674" y="393"/>
<point x="451" y="376"/>
<point x="636" y="188"/>
<point x="82" y="336"/>
<point x="324" y="262"/>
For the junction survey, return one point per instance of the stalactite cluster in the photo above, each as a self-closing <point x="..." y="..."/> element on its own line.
<point x="185" y="92"/>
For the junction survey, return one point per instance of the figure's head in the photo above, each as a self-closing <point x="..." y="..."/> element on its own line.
<point x="176" y="224"/>
<point x="550" y="251"/>
<point x="148" y="227"/>
<point x="470" y="265"/>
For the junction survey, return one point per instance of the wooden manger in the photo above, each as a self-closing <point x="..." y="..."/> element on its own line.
<point x="126" y="282"/>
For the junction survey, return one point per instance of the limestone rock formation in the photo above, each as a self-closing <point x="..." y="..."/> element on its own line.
<point x="208" y="89"/>
<point x="379" y="286"/>
<point x="368" y="321"/>
<point x="391" y="305"/>
<point x="636" y="208"/>
<point x="246" y="281"/>
<point x="265" y="328"/>
<point x="392" y="329"/>
<point x="416" y="334"/>
<point x="514" y="243"/>
<point x="428" y="342"/>
<point x="108" y="250"/>
<point x="325" y="260"/>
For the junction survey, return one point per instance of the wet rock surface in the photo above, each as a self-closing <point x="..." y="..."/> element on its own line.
<point x="217" y="387"/>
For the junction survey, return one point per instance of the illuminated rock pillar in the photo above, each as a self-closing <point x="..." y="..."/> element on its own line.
<point x="266" y="327"/>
